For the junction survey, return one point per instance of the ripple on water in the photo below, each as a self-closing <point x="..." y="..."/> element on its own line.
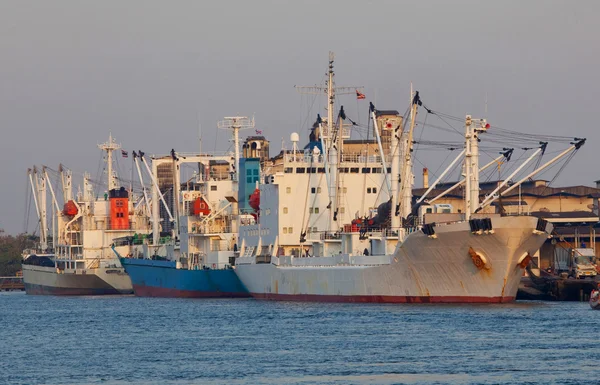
<point x="127" y="340"/>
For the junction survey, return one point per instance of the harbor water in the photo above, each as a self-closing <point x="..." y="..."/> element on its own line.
<point x="128" y="340"/>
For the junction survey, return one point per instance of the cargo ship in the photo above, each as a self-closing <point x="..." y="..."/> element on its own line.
<point x="80" y="260"/>
<point x="197" y="257"/>
<point x="333" y="241"/>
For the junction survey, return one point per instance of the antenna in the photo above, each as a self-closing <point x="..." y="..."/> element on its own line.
<point x="236" y="123"/>
<point x="485" y="104"/>
<point x="331" y="91"/>
<point x="199" y="135"/>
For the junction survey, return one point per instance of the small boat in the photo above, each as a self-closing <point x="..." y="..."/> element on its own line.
<point x="595" y="300"/>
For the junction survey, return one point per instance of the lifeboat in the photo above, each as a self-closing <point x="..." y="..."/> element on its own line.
<point x="254" y="200"/>
<point x="70" y="209"/>
<point x="200" y="207"/>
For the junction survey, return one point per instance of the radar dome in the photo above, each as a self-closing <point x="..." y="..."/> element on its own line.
<point x="295" y="137"/>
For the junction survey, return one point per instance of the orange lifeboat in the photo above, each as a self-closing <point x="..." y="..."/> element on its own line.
<point x="70" y="209"/>
<point x="254" y="200"/>
<point x="200" y="207"/>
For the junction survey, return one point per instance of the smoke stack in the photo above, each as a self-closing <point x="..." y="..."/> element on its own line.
<point x="425" y="178"/>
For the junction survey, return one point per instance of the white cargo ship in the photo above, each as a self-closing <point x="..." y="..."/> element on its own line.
<point x="314" y="248"/>
<point x="80" y="260"/>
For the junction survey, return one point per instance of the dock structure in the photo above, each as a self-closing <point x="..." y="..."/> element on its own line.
<point x="11" y="284"/>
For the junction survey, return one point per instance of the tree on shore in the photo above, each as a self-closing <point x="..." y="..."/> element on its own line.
<point x="11" y="248"/>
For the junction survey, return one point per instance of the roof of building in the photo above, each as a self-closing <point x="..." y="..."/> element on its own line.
<point x="527" y="189"/>
<point x="568" y="217"/>
<point x="256" y="137"/>
<point x="386" y="112"/>
<point x="509" y="203"/>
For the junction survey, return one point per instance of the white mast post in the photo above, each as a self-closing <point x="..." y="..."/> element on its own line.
<point x="40" y="182"/>
<point x="66" y="181"/>
<point x="406" y="177"/>
<point x="55" y="207"/>
<point x="467" y="164"/>
<point x="472" y="163"/>
<point x="109" y="147"/>
<point x="236" y="123"/>
<point x="383" y="162"/>
<point x="34" y="191"/>
<point x="395" y="183"/>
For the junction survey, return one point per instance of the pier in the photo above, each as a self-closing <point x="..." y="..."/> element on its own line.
<point x="549" y="287"/>
<point x="11" y="284"/>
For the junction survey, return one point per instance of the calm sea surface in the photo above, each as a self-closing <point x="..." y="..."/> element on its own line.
<point x="129" y="340"/>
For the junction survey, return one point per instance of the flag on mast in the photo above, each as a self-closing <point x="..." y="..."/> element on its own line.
<point x="124" y="153"/>
<point x="359" y="95"/>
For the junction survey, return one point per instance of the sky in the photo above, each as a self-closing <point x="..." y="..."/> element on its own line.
<point x="153" y="72"/>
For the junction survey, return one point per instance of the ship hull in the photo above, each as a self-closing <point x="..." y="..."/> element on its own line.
<point x="153" y="278"/>
<point x="39" y="280"/>
<point x="423" y="269"/>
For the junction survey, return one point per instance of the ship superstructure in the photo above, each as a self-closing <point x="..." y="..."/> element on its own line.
<point x="196" y="258"/>
<point x="395" y="255"/>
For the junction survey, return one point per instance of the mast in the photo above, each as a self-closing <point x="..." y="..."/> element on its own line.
<point x="236" y="123"/>
<point x="333" y="148"/>
<point x="55" y="207"/>
<point x="406" y="176"/>
<point x="378" y="137"/>
<point x="472" y="130"/>
<point x="176" y="192"/>
<point x="394" y="187"/>
<point x="40" y="184"/>
<point x="330" y="95"/>
<point x="109" y="147"/>
<point x="332" y="142"/>
<point x="87" y="188"/>
<point x="66" y="181"/>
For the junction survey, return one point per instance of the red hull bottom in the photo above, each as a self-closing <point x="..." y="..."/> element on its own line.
<point x="149" y="291"/>
<point x="380" y="298"/>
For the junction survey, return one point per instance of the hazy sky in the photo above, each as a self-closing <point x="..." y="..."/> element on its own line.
<point x="71" y="71"/>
